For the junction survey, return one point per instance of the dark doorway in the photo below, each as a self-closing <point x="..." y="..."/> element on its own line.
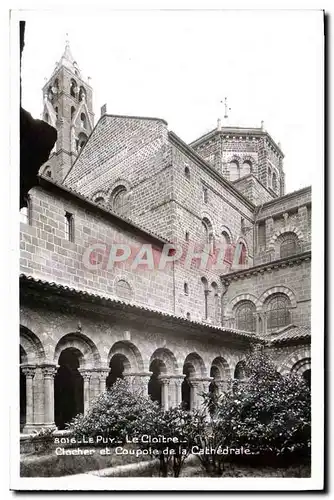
<point x="154" y="385"/>
<point x="23" y="392"/>
<point x="307" y="378"/>
<point x="185" y="388"/>
<point x="116" y="369"/>
<point x="68" y="388"/>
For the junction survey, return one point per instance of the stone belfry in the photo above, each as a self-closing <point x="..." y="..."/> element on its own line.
<point x="68" y="107"/>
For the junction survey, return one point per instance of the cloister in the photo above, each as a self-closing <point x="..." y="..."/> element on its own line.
<point x="55" y="386"/>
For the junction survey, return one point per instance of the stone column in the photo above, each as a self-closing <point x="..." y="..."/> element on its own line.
<point x="205" y="388"/>
<point x="164" y="393"/>
<point x="178" y="390"/>
<point x="141" y="381"/>
<point x="86" y="375"/>
<point x="194" y="397"/>
<point x="102" y="375"/>
<point x="222" y="385"/>
<point x="49" y="372"/>
<point x="29" y="372"/>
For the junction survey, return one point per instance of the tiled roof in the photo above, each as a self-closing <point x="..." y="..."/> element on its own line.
<point x="104" y="299"/>
<point x="291" y="332"/>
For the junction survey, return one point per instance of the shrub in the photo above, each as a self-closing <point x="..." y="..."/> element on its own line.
<point x="267" y="413"/>
<point x="179" y="429"/>
<point x="115" y="413"/>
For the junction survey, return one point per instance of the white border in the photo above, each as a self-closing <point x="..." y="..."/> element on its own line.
<point x="88" y="482"/>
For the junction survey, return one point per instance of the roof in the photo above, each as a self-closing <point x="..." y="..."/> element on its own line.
<point x="68" y="60"/>
<point x="69" y="291"/>
<point x="104" y="208"/>
<point x="292" y="332"/>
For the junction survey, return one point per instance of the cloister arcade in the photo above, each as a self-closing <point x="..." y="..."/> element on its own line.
<point x="55" y="387"/>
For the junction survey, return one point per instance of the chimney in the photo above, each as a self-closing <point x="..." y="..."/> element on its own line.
<point x="262" y="125"/>
<point x="104" y="109"/>
<point x="219" y="124"/>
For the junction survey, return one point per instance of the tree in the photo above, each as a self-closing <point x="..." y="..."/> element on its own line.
<point x="268" y="414"/>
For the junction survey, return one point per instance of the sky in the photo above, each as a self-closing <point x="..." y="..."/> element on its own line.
<point x="179" y="66"/>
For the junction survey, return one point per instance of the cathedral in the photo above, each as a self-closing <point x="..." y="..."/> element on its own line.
<point x="115" y="199"/>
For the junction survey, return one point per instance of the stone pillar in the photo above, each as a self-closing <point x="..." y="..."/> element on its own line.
<point x="164" y="393"/>
<point x="102" y="375"/>
<point x="178" y="390"/>
<point x="29" y="372"/>
<point x="141" y="382"/>
<point x="86" y="375"/>
<point x="194" y="397"/>
<point x="49" y="372"/>
<point x="205" y="382"/>
<point x="222" y="385"/>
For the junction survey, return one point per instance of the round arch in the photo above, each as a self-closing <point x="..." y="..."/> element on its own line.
<point x="277" y="289"/>
<point x="239" y="298"/>
<point x="194" y="366"/>
<point x="130" y="353"/>
<point x="286" y="229"/>
<point x="31" y="345"/>
<point x="89" y="354"/>
<point x="295" y="361"/>
<point x="168" y="363"/>
<point x="220" y="368"/>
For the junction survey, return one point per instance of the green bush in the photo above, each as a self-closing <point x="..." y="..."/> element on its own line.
<point x="115" y="413"/>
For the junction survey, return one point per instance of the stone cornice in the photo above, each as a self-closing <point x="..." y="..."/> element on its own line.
<point x="267" y="267"/>
<point x="238" y="132"/>
<point x="293" y="194"/>
<point x="175" y="140"/>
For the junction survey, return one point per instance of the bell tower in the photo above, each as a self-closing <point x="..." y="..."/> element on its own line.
<point x="67" y="106"/>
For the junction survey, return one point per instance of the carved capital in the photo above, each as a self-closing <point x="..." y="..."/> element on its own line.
<point x="29" y="370"/>
<point x="49" y="371"/>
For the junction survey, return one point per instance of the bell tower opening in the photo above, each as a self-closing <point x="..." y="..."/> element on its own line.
<point x="67" y="106"/>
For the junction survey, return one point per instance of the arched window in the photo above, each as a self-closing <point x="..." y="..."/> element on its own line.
<point x="207" y="232"/>
<point x="72" y="112"/>
<point x="119" y="200"/>
<point x="56" y="110"/>
<point x="242" y="253"/>
<point x="187" y="173"/>
<point x="82" y="94"/>
<point x="246" y="168"/>
<point x="73" y="88"/>
<point x="187" y="236"/>
<point x="82" y="139"/>
<point x="99" y="200"/>
<point x="83" y="120"/>
<point x="186" y="288"/>
<point x="206" y="292"/>
<point x="274" y="181"/>
<point x="214" y="313"/>
<point x="245" y="316"/>
<point x="123" y="289"/>
<point x="288" y="245"/>
<point x="226" y="241"/>
<point x="269" y="174"/>
<point x="234" y="170"/>
<point x="278" y="311"/>
<point x="56" y="84"/>
<point x="205" y="194"/>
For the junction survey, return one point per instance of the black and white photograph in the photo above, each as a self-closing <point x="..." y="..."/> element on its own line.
<point x="169" y="198"/>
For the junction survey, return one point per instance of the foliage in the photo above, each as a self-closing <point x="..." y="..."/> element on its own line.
<point x="115" y="413"/>
<point x="176" y="430"/>
<point x="267" y="413"/>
